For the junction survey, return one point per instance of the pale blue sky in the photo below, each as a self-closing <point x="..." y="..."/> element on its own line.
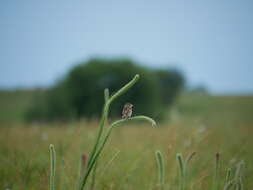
<point x="210" y="40"/>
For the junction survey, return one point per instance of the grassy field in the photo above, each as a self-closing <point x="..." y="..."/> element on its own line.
<point x="14" y="103"/>
<point x="202" y="124"/>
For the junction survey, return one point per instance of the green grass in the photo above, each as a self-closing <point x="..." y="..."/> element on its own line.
<point x="25" y="160"/>
<point x="207" y="108"/>
<point x="14" y="103"/>
<point x="202" y="124"/>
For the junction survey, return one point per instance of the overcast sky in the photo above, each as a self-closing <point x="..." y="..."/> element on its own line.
<point x="210" y="40"/>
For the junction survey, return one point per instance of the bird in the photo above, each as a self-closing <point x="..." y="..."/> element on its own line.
<point x="127" y="111"/>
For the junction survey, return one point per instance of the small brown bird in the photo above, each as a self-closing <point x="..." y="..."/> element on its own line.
<point x="127" y="111"/>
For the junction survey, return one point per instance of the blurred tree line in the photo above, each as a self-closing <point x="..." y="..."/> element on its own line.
<point x="80" y="93"/>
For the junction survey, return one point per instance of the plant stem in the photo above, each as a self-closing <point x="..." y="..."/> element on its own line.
<point x="228" y="175"/>
<point x="99" y="144"/>
<point x="106" y="110"/>
<point x="181" y="171"/>
<point x="160" y="166"/>
<point x="52" y="167"/>
<point x="104" y="140"/>
<point x="135" y="118"/>
<point x="216" y="175"/>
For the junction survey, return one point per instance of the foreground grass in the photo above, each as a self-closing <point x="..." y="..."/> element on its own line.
<point x="25" y="160"/>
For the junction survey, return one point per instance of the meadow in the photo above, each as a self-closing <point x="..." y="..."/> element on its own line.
<point x="203" y="124"/>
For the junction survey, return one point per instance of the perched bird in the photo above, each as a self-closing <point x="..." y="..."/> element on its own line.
<point x="127" y="111"/>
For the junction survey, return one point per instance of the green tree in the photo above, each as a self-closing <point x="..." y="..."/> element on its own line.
<point x="80" y="93"/>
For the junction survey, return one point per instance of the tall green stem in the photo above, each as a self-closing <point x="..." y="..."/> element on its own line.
<point x="108" y="101"/>
<point x="52" y="167"/>
<point x="160" y="166"/>
<point x="100" y="142"/>
<point x="104" y="140"/>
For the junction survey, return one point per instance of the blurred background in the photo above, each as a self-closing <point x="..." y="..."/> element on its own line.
<point x="65" y="53"/>
<point x="195" y="59"/>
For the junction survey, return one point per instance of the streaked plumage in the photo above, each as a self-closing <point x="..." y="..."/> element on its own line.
<point x="127" y="111"/>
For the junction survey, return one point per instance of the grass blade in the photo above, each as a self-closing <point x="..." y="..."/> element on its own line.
<point x="160" y="166"/>
<point x="52" y="167"/>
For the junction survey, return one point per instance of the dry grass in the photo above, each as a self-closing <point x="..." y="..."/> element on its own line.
<point x="25" y="156"/>
<point x="202" y="124"/>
